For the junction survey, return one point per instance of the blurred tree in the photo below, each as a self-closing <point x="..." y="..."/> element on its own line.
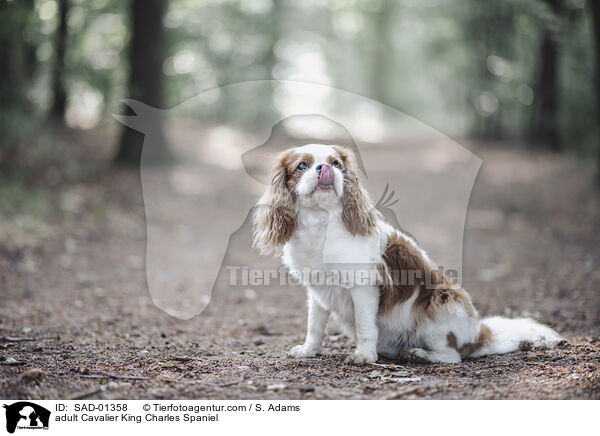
<point x="30" y="43"/>
<point x="595" y="5"/>
<point x="382" y="51"/>
<point x="545" y="128"/>
<point x="273" y="22"/>
<point x="489" y="35"/>
<point x="496" y="70"/>
<point x="275" y="18"/>
<point x="146" y="56"/>
<point x="14" y="110"/>
<point x="59" y="104"/>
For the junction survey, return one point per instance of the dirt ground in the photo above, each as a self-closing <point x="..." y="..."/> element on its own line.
<point x="76" y="320"/>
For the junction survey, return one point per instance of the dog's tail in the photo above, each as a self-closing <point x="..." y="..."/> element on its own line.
<point x="503" y="335"/>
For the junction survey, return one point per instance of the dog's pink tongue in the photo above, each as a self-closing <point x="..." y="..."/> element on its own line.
<point x="327" y="175"/>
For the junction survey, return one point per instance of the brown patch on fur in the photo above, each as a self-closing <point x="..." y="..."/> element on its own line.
<point x="275" y="219"/>
<point x="485" y="336"/>
<point x="407" y="271"/>
<point x="451" y="338"/>
<point x="292" y="174"/>
<point x="358" y="214"/>
<point x="433" y="300"/>
<point x="525" y="346"/>
<point x="402" y="261"/>
<point x="332" y="159"/>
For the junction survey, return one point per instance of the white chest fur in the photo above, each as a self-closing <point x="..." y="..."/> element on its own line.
<point x="322" y="245"/>
<point x="322" y="240"/>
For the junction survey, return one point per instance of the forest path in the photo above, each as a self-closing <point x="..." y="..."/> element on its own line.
<point x="76" y="319"/>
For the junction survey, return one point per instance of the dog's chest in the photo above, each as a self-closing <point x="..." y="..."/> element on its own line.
<point x="322" y="242"/>
<point x="304" y="256"/>
<point x="305" y="249"/>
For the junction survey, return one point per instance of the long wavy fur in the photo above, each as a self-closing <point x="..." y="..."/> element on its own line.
<point x="275" y="218"/>
<point x="358" y="214"/>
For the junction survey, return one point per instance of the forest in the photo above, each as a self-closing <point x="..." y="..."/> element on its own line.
<point x="485" y="116"/>
<point x="523" y="73"/>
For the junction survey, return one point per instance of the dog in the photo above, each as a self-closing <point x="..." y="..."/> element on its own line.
<point x="317" y="217"/>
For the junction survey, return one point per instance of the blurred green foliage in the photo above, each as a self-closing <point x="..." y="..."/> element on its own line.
<point x="468" y="68"/>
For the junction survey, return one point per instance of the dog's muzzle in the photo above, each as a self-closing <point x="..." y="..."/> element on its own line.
<point x="326" y="175"/>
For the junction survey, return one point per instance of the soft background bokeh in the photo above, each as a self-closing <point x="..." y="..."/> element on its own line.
<point x="501" y="70"/>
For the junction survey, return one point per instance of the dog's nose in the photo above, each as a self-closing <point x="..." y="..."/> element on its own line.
<point x="319" y="167"/>
<point x="326" y="174"/>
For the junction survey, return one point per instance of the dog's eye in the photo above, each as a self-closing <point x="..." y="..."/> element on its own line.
<point x="336" y="164"/>
<point x="302" y="167"/>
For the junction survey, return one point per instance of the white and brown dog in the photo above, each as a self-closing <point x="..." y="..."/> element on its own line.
<point x="317" y="217"/>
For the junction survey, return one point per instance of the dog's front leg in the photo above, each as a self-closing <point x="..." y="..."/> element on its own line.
<point x="366" y="303"/>
<point x="315" y="332"/>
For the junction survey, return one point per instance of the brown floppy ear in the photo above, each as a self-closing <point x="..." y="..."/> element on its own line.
<point x="275" y="218"/>
<point x="358" y="214"/>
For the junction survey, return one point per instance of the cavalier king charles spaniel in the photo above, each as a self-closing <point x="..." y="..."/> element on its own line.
<point x="317" y="217"/>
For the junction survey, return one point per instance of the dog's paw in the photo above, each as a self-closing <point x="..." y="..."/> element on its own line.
<point x="361" y="357"/>
<point x="303" y="350"/>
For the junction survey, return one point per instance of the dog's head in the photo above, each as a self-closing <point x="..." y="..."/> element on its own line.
<point x="313" y="176"/>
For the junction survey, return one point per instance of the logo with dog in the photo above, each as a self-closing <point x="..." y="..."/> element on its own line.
<point x="223" y="143"/>
<point x="24" y="415"/>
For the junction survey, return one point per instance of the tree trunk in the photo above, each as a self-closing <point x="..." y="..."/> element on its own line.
<point x="545" y="129"/>
<point x="382" y="53"/>
<point x="30" y="47"/>
<point x="15" y="111"/>
<point x="490" y="26"/>
<point x="146" y="56"/>
<point x="595" y="5"/>
<point x="272" y="25"/>
<point x="59" y="105"/>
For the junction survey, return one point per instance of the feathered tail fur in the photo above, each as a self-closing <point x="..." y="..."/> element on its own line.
<point x="506" y="335"/>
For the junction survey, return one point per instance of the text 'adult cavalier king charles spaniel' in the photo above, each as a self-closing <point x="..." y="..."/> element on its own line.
<point x="380" y="286"/>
